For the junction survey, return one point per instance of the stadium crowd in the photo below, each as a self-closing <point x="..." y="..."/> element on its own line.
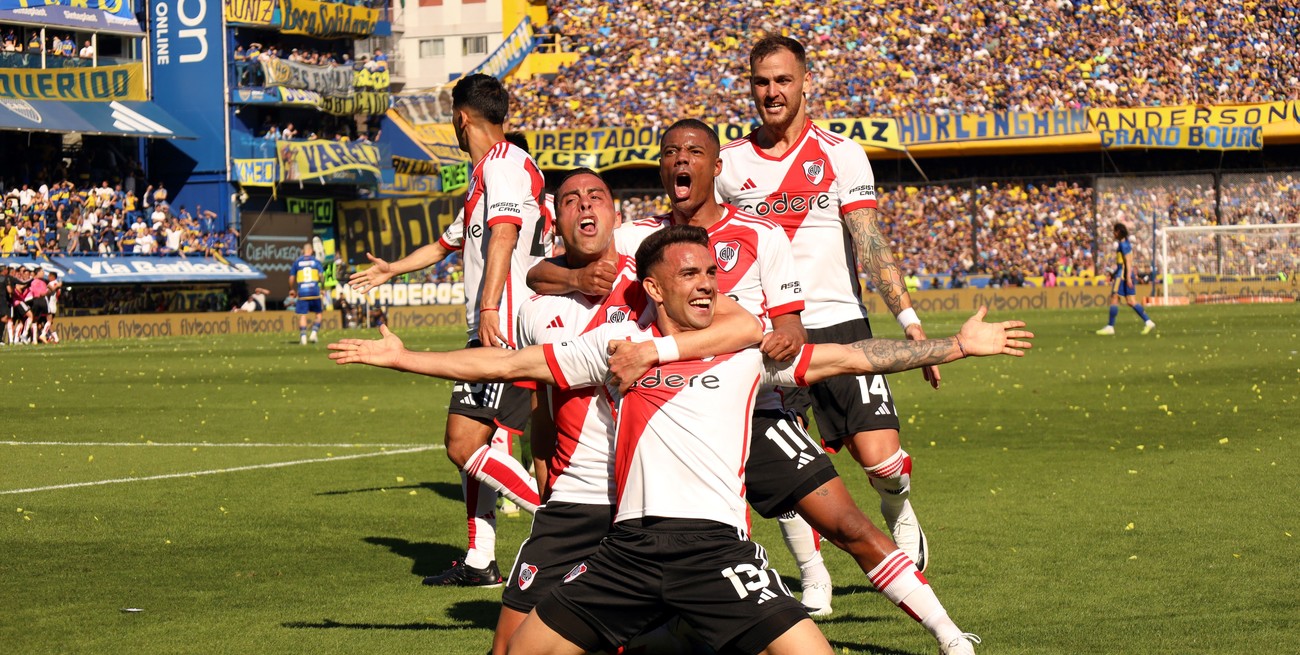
<point x="649" y="63"/>
<point x="63" y="219"/>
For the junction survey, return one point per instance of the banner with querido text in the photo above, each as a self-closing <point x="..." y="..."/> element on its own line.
<point x="99" y="84"/>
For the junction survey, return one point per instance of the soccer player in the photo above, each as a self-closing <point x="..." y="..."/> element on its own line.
<point x="679" y="540"/>
<point x="502" y="235"/>
<point x="305" y="278"/>
<point x="820" y="188"/>
<point x="1123" y="284"/>
<point x="787" y="475"/>
<point x="579" y="445"/>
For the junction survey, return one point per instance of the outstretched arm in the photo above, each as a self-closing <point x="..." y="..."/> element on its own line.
<point x="976" y="339"/>
<point x="468" y="365"/>
<point x="382" y="271"/>
<point x="872" y="249"/>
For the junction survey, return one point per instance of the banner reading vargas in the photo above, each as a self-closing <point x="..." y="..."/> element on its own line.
<point x="303" y="160"/>
<point x="326" y="19"/>
<point x="101" y="84"/>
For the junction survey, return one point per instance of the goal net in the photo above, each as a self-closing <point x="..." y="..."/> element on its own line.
<point x="1229" y="263"/>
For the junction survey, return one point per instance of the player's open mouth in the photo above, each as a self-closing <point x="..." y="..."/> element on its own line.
<point x="702" y="303"/>
<point x="681" y="186"/>
<point x="587" y="226"/>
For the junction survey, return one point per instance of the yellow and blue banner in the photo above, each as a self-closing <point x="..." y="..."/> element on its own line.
<point x="255" y="172"/>
<point x="253" y="12"/>
<point x="99" y="84"/>
<point x="318" y="158"/>
<point x="326" y="19"/>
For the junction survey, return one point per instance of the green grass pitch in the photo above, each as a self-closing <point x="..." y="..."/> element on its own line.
<point x="1120" y="494"/>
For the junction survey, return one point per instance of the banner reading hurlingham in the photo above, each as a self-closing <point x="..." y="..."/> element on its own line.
<point x="306" y="160"/>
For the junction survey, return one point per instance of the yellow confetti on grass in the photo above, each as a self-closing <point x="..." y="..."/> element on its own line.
<point x="1132" y="557"/>
<point x="1223" y="441"/>
<point x="401" y="479"/>
<point x="411" y="492"/>
<point x="1130" y="526"/>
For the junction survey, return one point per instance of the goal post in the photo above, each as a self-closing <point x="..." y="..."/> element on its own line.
<point x="1194" y="259"/>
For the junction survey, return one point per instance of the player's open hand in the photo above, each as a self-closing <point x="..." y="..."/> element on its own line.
<point x="596" y="278"/>
<point x="629" y="361"/>
<point x="379" y="272"/>
<point x="915" y="332"/>
<point x="981" y="339"/>
<point x="384" y="352"/>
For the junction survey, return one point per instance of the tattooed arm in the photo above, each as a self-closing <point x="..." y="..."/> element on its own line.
<point x="976" y="339"/>
<point x="873" y="251"/>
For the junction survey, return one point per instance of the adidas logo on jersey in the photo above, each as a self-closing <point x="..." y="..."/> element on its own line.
<point x="555" y="324"/>
<point x="749" y="184"/>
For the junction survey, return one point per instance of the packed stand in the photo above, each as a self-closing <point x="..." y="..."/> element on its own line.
<point x="105" y="220"/>
<point x="650" y="63"/>
<point x="640" y="205"/>
<point x="1145" y="203"/>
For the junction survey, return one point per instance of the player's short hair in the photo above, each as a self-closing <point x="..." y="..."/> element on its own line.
<point x="1121" y="229"/>
<point x="581" y="170"/>
<point x="519" y="140"/>
<point x="772" y="44"/>
<point x="692" y="124"/>
<point x="485" y="94"/>
<point x="651" y="251"/>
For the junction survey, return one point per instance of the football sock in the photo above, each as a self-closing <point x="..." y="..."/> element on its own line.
<point x="897" y="578"/>
<point x="805" y="545"/>
<point x="504" y="474"/>
<point x="302" y="331"/>
<point x="1141" y="312"/>
<point x="315" y="327"/>
<point x="481" y="520"/>
<point x="892" y="479"/>
<point x="1114" y="311"/>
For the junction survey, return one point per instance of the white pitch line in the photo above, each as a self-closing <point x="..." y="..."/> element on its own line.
<point x="207" y="445"/>
<point x="216" y="471"/>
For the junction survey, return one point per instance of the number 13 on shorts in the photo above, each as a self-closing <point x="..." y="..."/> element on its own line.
<point x="747" y="578"/>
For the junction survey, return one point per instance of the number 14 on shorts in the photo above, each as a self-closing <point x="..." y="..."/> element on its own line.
<point x="756" y="580"/>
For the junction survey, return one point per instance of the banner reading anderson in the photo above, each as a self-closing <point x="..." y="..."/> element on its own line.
<point x="306" y="160"/>
<point x="100" y="84"/>
<point x="326" y="19"/>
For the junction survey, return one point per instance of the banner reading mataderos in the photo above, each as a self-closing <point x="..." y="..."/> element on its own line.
<point x="253" y="12"/>
<point x="326" y="80"/>
<point x="303" y="160"/>
<point x="1221" y="127"/>
<point x="99" y="84"/>
<point x="326" y="19"/>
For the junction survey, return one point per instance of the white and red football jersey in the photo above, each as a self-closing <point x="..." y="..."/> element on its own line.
<point x="582" y="468"/>
<point x="755" y="265"/>
<point x="808" y="191"/>
<point x="683" y="430"/>
<point x="504" y="187"/>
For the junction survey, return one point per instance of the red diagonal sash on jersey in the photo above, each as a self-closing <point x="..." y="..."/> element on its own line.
<point x="796" y="183"/>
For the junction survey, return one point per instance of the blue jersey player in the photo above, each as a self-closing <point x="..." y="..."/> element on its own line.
<point x="305" y="277"/>
<point x="1123" y="284"/>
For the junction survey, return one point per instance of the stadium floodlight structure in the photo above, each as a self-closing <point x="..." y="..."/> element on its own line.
<point x="1218" y="252"/>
